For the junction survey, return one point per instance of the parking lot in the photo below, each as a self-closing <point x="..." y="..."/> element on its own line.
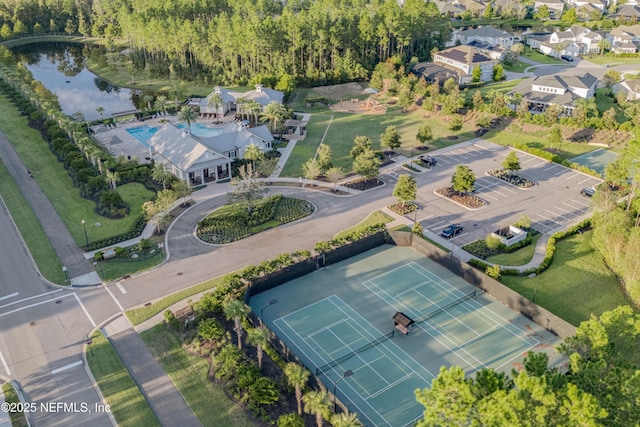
<point x="550" y="205"/>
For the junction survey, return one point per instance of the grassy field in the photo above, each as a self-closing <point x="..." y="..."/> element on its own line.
<point x="576" y="285"/>
<point x="346" y="126"/>
<point x="189" y="373"/>
<point x="503" y="87"/>
<point x="30" y="228"/>
<point x="519" y="257"/>
<point x="56" y="184"/>
<point x="612" y="59"/>
<point x="121" y="393"/>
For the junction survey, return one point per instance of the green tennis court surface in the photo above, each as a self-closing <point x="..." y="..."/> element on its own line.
<point x="339" y="320"/>
<point x="596" y="160"/>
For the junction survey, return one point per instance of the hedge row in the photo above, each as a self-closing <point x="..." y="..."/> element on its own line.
<point x="323" y="247"/>
<point x="554" y="158"/>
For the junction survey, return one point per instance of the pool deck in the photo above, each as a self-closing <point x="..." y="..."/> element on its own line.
<point x="118" y="142"/>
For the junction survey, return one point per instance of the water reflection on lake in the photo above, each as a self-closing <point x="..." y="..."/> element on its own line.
<point x="61" y="69"/>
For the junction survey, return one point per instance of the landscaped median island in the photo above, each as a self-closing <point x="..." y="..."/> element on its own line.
<point x="234" y="222"/>
<point x="18" y="419"/>
<point x="511" y="178"/>
<point x="467" y="200"/>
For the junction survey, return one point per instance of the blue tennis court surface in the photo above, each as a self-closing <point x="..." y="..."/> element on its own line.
<point x="338" y="320"/>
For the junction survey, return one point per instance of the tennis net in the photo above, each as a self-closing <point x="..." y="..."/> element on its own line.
<point x="339" y="360"/>
<point x="446" y="307"/>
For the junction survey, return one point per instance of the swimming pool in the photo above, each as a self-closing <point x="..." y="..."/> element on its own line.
<point x="145" y="132"/>
<point x="200" y="130"/>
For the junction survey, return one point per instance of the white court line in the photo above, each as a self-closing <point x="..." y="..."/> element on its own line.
<point x="324" y="328"/>
<point x="4" y="362"/>
<point x="33" y="305"/>
<point x="10" y="296"/>
<point x="30" y="298"/>
<point x="571" y="176"/>
<point x="114" y="298"/>
<point x="66" y="367"/>
<point x="85" y="310"/>
<point x="584" y="180"/>
<point x="122" y="289"/>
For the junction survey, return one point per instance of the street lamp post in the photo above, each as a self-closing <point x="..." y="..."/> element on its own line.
<point x="86" y="237"/>
<point x="270" y="303"/>
<point x="335" y="385"/>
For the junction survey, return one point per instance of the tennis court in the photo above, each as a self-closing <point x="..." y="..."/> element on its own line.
<point x="338" y="322"/>
<point x="596" y="160"/>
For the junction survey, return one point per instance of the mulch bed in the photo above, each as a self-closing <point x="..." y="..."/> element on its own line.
<point x="467" y="200"/>
<point x="511" y="178"/>
<point x="364" y="184"/>
<point x="403" y="210"/>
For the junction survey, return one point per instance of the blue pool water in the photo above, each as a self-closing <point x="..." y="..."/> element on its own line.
<point x="200" y="130"/>
<point x="142" y="133"/>
<point x="145" y="132"/>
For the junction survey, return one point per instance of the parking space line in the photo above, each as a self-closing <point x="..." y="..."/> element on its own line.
<point x="585" y="180"/>
<point x="541" y="225"/>
<point x="586" y="205"/>
<point x="571" y="176"/>
<point x="490" y="196"/>
<point x="502" y="194"/>
<point x="425" y="218"/>
<point x="563" y="210"/>
<point x="435" y="223"/>
<point x="527" y="161"/>
<point x="550" y="167"/>
<point x="4" y="363"/>
<point x="505" y="187"/>
<point x="440" y="159"/>
<point x="561" y="172"/>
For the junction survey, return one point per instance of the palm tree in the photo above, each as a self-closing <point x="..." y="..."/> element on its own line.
<point x="318" y="403"/>
<point x="258" y="337"/>
<point x="297" y="377"/>
<point x="253" y="108"/>
<point x="236" y="309"/>
<point x="603" y="44"/>
<point x="187" y="114"/>
<point x="215" y="101"/>
<point x="100" y="111"/>
<point x="160" y="174"/>
<point x="240" y="107"/>
<point x="113" y="178"/>
<point x="161" y="104"/>
<point x="346" y="420"/>
<point x="274" y="112"/>
<point x="253" y="153"/>
<point x="148" y="99"/>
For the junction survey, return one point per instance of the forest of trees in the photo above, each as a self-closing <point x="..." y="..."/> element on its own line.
<point x="232" y="41"/>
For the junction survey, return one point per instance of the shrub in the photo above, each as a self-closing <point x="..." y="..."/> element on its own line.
<point x="290" y="420"/>
<point x="210" y="329"/>
<point x="171" y="320"/>
<point x="493" y="242"/>
<point x="493" y="271"/>
<point x="417" y="229"/>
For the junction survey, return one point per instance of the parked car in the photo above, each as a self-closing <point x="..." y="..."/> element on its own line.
<point x="567" y="58"/>
<point x="428" y="159"/>
<point x="587" y="192"/>
<point x="451" y="231"/>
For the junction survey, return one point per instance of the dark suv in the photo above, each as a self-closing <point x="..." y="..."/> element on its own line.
<point x="428" y="160"/>
<point x="451" y="231"/>
<point x="567" y="58"/>
<point x="587" y="192"/>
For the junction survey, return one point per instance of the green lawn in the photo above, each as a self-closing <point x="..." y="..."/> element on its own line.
<point x="376" y="217"/>
<point x="113" y="269"/>
<point x="576" y="285"/>
<point x="503" y="87"/>
<point x="519" y="257"/>
<point x="57" y="185"/>
<point x="121" y="393"/>
<point x="345" y="127"/>
<point x="18" y="419"/>
<point x="189" y="373"/>
<point x="517" y="67"/>
<point x="605" y="100"/>
<point x="536" y="56"/>
<point x="30" y="228"/>
<point x="612" y="59"/>
<point x="537" y="139"/>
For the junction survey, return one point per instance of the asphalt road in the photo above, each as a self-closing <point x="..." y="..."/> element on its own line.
<point x="41" y="337"/>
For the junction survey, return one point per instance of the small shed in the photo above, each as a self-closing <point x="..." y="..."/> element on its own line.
<point x="402" y="322"/>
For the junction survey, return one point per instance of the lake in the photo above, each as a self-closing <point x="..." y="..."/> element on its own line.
<point x="60" y="68"/>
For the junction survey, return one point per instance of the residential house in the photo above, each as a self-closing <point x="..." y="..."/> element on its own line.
<point x="488" y="34"/>
<point x="625" y="39"/>
<point x="598" y="4"/>
<point x="199" y="160"/>
<point x="631" y="87"/>
<point x="575" y="41"/>
<point x="556" y="7"/>
<point x="588" y="12"/>
<point x="626" y="11"/>
<point x="230" y="99"/>
<point x="463" y="60"/>
<point x="449" y="9"/>
<point x="563" y="90"/>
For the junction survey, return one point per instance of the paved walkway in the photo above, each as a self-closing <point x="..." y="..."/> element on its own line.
<point x="63" y="244"/>
<point x="162" y="395"/>
<point x="286" y="151"/>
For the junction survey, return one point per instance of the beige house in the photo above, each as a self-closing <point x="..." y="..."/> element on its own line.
<point x="625" y="39"/>
<point x="631" y="87"/>
<point x="556" y="7"/>
<point x="231" y="100"/>
<point x="562" y="90"/>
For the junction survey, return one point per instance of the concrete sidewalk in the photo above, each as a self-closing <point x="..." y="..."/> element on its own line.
<point x="162" y="395"/>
